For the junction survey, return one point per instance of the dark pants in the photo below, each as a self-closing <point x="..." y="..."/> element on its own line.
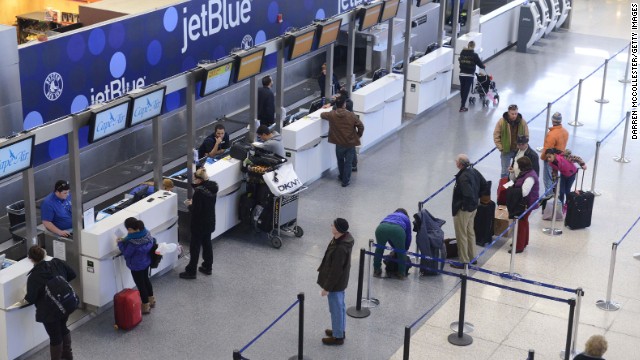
<point x="395" y="235"/>
<point x="345" y="157"/>
<point x="466" y="82"/>
<point x="56" y="330"/>
<point x="565" y="186"/>
<point x="200" y="239"/>
<point x="141" y="278"/>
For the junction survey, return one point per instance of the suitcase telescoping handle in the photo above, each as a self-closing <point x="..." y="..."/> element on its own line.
<point x="581" y="181"/>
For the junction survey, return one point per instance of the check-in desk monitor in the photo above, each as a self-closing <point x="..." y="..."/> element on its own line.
<point x="328" y="31"/>
<point x="250" y="63"/>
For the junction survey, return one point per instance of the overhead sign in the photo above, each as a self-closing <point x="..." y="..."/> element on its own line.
<point x="16" y="157"/>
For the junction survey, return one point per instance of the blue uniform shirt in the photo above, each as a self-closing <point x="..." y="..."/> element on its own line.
<point x="57" y="211"/>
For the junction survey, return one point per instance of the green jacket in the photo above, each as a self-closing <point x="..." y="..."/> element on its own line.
<point x="502" y="132"/>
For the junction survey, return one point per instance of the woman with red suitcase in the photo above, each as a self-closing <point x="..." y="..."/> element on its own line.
<point x="135" y="248"/>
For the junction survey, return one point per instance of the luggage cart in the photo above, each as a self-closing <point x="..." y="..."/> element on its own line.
<point x="283" y="220"/>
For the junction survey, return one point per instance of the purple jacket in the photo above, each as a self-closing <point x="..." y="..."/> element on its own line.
<point x="535" y="190"/>
<point x="135" y="248"/>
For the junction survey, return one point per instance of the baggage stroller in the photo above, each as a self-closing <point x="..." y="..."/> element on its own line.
<point x="486" y="90"/>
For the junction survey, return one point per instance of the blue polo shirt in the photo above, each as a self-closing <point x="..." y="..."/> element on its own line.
<point x="57" y="211"/>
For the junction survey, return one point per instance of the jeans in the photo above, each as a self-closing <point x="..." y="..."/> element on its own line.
<point x="547" y="177"/>
<point x="338" y="313"/>
<point x="505" y="161"/>
<point x="395" y="235"/>
<point x="345" y="157"/>
<point x="465" y="235"/>
<point x="565" y="186"/>
<point x="56" y="330"/>
<point x="200" y="239"/>
<point x="141" y="279"/>
<point x="466" y="82"/>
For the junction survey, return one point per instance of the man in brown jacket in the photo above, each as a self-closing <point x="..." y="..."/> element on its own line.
<point x="345" y="131"/>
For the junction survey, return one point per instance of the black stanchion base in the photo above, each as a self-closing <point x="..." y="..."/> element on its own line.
<point x="358" y="314"/>
<point x="465" y="340"/>
<point x="295" y="357"/>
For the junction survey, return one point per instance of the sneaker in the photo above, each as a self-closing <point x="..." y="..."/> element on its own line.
<point x="332" y="341"/>
<point x="377" y="273"/>
<point x="354" y="169"/>
<point x="517" y="251"/>
<point x="204" y="271"/>
<point x="329" y="332"/>
<point x="564" y="209"/>
<point x="464" y="109"/>
<point x="346" y="184"/>
<point x="187" y="275"/>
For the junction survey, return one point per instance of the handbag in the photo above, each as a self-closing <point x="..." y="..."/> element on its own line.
<point x="516" y="203"/>
<point x="282" y="180"/>
<point x="155" y="257"/>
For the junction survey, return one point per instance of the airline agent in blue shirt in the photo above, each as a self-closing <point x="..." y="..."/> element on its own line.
<point x="56" y="210"/>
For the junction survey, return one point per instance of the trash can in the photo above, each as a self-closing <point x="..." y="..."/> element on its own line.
<point x="16" y="213"/>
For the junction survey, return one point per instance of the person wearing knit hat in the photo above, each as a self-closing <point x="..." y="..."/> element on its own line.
<point x="394" y="229"/>
<point x="508" y="128"/>
<point x="333" y="278"/>
<point x="557" y="137"/>
<point x="202" y="208"/>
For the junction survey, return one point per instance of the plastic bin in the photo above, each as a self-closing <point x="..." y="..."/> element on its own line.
<point x="16" y="213"/>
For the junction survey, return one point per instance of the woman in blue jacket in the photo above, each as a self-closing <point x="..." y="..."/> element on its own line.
<point x="135" y="248"/>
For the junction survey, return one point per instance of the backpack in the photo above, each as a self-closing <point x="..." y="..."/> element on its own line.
<point x="155" y="258"/>
<point x="60" y="295"/>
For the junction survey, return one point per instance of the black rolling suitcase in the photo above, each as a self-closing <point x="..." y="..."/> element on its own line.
<point x="483" y="223"/>
<point x="579" y="208"/>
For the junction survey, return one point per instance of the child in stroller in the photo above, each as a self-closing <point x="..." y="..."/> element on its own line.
<point x="486" y="90"/>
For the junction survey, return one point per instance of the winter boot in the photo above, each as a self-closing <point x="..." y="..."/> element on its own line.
<point x="146" y="308"/>
<point x="152" y="301"/>
<point x="56" y="352"/>
<point x="67" y="353"/>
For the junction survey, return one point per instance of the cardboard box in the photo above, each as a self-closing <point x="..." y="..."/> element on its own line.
<point x="501" y="221"/>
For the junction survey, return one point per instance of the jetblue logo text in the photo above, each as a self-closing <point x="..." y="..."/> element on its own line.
<point x="214" y="16"/>
<point x="115" y="89"/>
<point x="15" y="160"/>
<point x="289" y="186"/>
<point x="344" y="5"/>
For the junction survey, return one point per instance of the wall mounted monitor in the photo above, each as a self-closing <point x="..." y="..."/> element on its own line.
<point x="422" y="2"/>
<point x="389" y="10"/>
<point x="250" y="63"/>
<point x="328" y="32"/>
<point x="217" y="76"/>
<point x="108" y="119"/>
<point x="369" y="15"/>
<point x="16" y="157"/>
<point x="146" y="104"/>
<point x="300" y="42"/>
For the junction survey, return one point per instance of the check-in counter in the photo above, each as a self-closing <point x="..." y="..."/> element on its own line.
<point x="429" y="80"/>
<point x="379" y="106"/>
<point x="307" y="147"/>
<point x="104" y="275"/>
<point x="226" y="172"/>
<point x="19" y="331"/>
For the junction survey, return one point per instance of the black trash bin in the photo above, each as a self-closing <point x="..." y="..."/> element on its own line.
<point x="16" y="213"/>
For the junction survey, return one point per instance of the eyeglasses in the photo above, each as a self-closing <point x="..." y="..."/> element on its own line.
<point x="63" y="186"/>
<point x="513" y="107"/>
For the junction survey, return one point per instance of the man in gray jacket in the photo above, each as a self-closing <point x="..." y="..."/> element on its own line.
<point x="271" y="140"/>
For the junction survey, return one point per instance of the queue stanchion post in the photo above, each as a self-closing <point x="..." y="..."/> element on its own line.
<point x="576" y="322"/>
<point x="300" y="354"/>
<point x="369" y="302"/>
<point x="407" y="343"/>
<point x="567" y="350"/>
<point x="467" y="327"/>
<point x="607" y="304"/>
<point x="236" y="355"/>
<point x="602" y="100"/>
<point x="531" y="354"/>
<point x="621" y="158"/>
<point x="595" y="170"/>
<point x="626" y="79"/>
<point x="514" y="241"/>
<point x="553" y="231"/>
<point x="357" y="311"/>
<point x="546" y="126"/>
<point x="459" y="337"/>
<point x="576" y="122"/>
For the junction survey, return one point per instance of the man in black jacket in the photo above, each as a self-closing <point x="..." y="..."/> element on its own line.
<point x="468" y="61"/>
<point x="466" y="197"/>
<point x="203" y="222"/>
<point x="266" y="102"/>
<point x="333" y="278"/>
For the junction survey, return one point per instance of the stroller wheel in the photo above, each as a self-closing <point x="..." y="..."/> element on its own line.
<point x="472" y="100"/>
<point x="485" y="103"/>
<point x="496" y="100"/>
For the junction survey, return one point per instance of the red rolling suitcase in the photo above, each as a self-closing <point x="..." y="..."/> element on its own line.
<point x="127" y="307"/>
<point x="579" y="208"/>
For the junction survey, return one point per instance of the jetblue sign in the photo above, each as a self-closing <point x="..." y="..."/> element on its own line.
<point x="16" y="157"/>
<point x="95" y="65"/>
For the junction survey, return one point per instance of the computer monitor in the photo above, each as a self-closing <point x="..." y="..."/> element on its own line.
<point x="422" y="2"/>
<point x="250" y="63"/>
<point x="108" y="119"/>
<point x="146" y="105"/>
<point x="300" y="42"/>
<point x="328" y="31"/>
<point x="369" y="15"/>
<point x="16" y="156"/>
<point x="217" y="76"/>
<point x="389" y="10"/>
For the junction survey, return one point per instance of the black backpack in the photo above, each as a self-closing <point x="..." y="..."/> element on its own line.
<point x="60" y="296"/>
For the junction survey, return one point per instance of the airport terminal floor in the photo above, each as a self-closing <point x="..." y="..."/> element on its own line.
<point x="253" y="283"/>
